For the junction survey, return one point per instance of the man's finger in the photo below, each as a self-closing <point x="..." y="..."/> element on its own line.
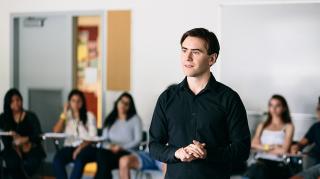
<point x="194" y="152"/>
<point x="197" y="148"/>
<point x="195" y="142"/>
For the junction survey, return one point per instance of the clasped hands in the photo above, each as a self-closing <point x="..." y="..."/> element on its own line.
<point x="193" y="151"/>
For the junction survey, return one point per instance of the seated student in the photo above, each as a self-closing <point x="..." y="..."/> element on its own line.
<point x="23" y="152"/>
<point x="79" y="124"/>
<point x="123" y="131"/>
<point x="312" y="137"/>
<point x="139" y="160"/>
<point x="272" y="139"/>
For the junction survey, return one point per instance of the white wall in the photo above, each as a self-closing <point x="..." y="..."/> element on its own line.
<point x="156" y="30"/>
<point x="273" y="49"/>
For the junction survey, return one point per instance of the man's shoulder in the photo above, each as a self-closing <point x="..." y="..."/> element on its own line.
<point x="225" y="90"/>
<point x="168" y="95"/>
<point x="316" y="125"/>
<point x="170" y="91"/>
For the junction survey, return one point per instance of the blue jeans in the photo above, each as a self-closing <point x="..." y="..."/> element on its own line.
<point x="64" y="157"/>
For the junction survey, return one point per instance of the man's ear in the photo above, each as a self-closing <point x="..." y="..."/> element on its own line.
<point x="213" y="59"/>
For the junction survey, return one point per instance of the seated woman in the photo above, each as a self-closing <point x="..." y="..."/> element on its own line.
<point x="78" y="124"/>
<point x="312" y="137"/>
<point x="123" y="131"/>
<point x="23" y="152"/>
<point x="272" y="140"/>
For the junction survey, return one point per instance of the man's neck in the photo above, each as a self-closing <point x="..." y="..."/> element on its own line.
<point x="196" y="84"/>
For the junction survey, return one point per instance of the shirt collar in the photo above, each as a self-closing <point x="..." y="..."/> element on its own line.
<point x="210" y="86"/>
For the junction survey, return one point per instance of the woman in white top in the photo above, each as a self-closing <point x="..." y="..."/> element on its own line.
<point x="123" y="131"/>
<point x="271" y="141"/>
<point x="78" y="124"/>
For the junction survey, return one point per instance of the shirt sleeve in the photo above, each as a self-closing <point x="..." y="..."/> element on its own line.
<point x="311" y="134"/>
<point x="239" y="135"/>
<point x="158" y="133"/>
<point x="137" y="133"/>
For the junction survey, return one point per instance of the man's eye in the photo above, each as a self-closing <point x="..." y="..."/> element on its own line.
<point x="196" y="53"/>
<point x="184" y="50"/>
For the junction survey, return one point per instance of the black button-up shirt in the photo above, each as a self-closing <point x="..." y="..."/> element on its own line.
<point x="216" y="116"/>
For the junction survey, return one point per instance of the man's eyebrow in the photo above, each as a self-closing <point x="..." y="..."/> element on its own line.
<point x="194" y="49"/>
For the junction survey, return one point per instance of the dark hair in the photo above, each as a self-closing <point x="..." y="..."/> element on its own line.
<point x="7" y="105"/>
<point x="83" y="109"/>
<point x="212" y="43"/>
<point x="111" y="118"/>
<point x="285" y="116"/>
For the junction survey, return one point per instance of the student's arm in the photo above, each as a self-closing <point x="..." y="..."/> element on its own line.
<point x="283" y="149"/>
<point x="35" y="131"/>
<point x="137" y="133"/>
<point x="60" y="124"/>
<point x="79" y="148"/>
<point x="158" y="147"/>
<point x="256" y="143"/>
<point x="306" y="140"/>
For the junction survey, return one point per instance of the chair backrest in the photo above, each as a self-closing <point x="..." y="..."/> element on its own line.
<point x="144" y="142"/>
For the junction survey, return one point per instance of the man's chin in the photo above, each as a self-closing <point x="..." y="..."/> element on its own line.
<point x="191" y="74"/>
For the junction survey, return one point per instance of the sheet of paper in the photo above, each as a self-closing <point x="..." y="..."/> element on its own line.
<point x="95" y="139"/>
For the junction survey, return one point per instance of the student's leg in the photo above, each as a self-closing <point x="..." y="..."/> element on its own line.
<point x="31" y="163"/>
<point x="107" y="161"/>
<point x="87" y="154"/>
<point x="126" y="163"/>
<point x="61" y="159"/>
<point x="258" y="170"/>
<point x="14" y="164"/>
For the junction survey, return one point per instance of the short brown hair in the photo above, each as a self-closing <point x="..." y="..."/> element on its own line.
<point x="209" y="37"/>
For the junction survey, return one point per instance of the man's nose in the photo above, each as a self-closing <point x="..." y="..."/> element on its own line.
<point x="188" y="56"/>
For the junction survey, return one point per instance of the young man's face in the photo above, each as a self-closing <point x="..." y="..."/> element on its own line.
<point x="195" y="60"/>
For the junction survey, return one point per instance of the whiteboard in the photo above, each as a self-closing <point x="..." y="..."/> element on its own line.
<point x="267" y="49"/>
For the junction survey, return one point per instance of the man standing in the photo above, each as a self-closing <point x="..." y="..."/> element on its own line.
<point x="199" y="127"/>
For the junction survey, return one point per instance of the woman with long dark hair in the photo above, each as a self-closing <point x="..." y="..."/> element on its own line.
<point x="23" y="152"/>
<point x="272" y="140"/>
<point x="78" y="124"/>
<point x="123" y="133"/>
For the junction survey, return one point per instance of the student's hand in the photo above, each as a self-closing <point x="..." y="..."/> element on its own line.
<point x="183" y="155"/>
<point x="294" y="149"/>
<point x="13" y="133"/>
<point x="65" y="108"/>
<point x="76" y="152"/>
<point x="115" y="148"/>
<point x="197" y="149"/>
<point x="17" y="140"/>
